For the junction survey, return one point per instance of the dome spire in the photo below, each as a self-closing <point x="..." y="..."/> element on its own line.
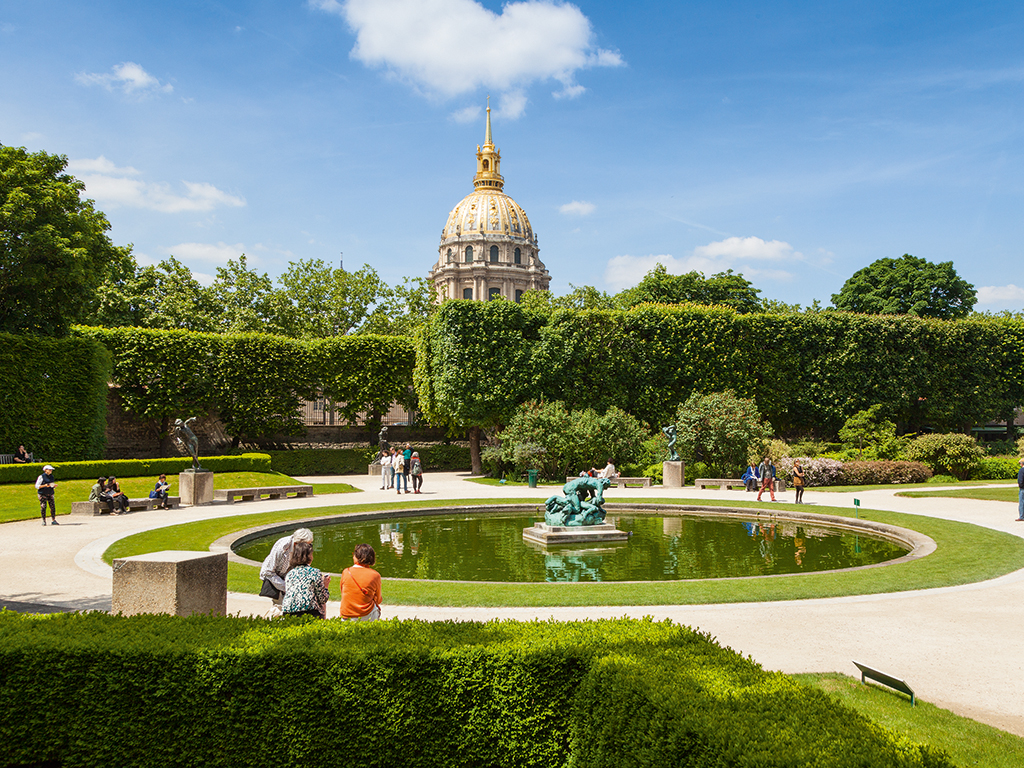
<point x="488" y="161"/>
<point x="487" y="135"/>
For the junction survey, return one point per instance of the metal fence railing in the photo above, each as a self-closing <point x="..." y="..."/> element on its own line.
<point x="322" y="412"/>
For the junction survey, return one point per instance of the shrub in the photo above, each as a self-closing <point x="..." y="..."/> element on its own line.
<point x="996" y="468"/>
<point x="817" y="472"/>
<point x="1020" y="447"/>
<point x="955" y="454"/>
<point x="721" y="430"/>
<point x="79" y="470"/>
<point x="884" y="472"/>
<point x="999" y="447"/>
<point x="354" y="461"/>
<point x="206" y="690"/>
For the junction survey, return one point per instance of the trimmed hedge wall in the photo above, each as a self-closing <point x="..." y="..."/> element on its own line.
<point x="80" y="470"/>
<point x="354" y="461"/>
<point x="53" y="396"/>
<point x="99" y="690"/>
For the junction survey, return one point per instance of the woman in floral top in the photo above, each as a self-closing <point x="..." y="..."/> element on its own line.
<point x="305" y="587"/>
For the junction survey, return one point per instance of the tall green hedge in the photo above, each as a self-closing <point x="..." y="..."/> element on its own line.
<point x="100" y="690"/>
<point x="354" y="461"/>
<point x="53" y="396"/>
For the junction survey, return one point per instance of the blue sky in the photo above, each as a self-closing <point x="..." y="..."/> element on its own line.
<point x="794" y="142"/>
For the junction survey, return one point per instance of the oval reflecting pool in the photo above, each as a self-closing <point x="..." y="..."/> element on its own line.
<point x="491" y="548"/>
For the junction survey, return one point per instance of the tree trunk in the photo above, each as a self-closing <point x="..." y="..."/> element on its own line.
<point x="474" y="451"/>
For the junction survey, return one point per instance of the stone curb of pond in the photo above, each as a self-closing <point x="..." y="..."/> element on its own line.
<point x="919" y="544"/>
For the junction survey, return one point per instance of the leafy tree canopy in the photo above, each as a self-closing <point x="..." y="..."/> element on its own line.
<point x="54" y="250"/>
<point x="659" y="287"/>
<point x="721" y="430"/>
<point x="907" y="286"/>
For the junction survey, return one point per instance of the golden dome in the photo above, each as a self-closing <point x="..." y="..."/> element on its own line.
<point x="488" y="212"/>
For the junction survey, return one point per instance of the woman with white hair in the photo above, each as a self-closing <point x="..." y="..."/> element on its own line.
<point x="276" y="565"/>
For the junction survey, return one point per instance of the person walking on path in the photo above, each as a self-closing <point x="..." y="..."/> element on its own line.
<point x="360" y="587"/>
<point x="767" y="470"/>
<point x="407" y="464"/>
<point x="398" y="466"/>
<point x="44" y="488"/>
<point x="799" y="481"/>
<point x="416" y="470"/>
<point x="1020" y="492"/>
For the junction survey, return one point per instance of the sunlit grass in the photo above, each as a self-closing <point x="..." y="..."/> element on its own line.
<point x="1008" y="493"/>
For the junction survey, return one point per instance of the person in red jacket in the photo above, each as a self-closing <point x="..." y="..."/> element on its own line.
<point x="360" y="587"/>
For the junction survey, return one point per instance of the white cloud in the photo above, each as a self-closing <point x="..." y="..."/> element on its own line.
<point x="512" y="105"/>
<point x="1000" y="294"/>
<point x="111" y="185"/>
<point x="453" y="47"/>
<point x="129" y="77"/>
<point x="734" y="253"/>
<point x="466" y="114"/>
<point x="208" y="253"/>
<point x="577" y="208"/>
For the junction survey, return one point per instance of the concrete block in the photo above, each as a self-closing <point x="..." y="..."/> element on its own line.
<point x="673" y="473"/>
<point x="174" y="582"/>
<point x="196" y="488"/>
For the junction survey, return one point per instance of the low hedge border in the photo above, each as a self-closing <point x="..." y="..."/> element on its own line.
<point x="81" y="470"/>
<point x="354" y="461"/>
<point x="225" y="691"/>
<point x="966" y="553"/>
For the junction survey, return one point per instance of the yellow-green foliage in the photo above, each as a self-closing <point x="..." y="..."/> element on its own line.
<point x="220" y="691"/>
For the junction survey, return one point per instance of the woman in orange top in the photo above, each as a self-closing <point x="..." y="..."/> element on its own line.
<point x="360" y="587"/>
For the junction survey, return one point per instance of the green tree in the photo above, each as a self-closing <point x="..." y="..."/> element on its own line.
<point x="54" y="250"/>
<point x="952" y="454"/>
<point x="580" y="297"/>
<point x="720" y="430"/>
<point x="162" y="296"/>
<point x="867" y="427"/>
<point x="659" y="287"/>
<point x="329" y="301"/>
<point x="247" y="302"/>
<point x="474" y="364"/>
<point x="907" y="286"/>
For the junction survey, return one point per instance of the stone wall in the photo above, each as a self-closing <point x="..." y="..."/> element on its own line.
<point x="128" y="437"/>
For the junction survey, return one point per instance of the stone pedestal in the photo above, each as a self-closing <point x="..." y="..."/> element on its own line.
<point x="178" y="583"/>
<point x="673" y="473"/>
<point x="548" y="535"/>
<point x="195" y="488"/>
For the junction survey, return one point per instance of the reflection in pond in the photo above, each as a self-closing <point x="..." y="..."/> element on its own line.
<point x="661" y="548"/>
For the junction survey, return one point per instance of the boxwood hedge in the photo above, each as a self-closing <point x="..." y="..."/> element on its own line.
<point x="79" y="470"/>
<point x="99" y="690"/>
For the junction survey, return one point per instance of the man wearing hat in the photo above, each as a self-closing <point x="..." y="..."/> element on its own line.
<point x="44" y="487"/>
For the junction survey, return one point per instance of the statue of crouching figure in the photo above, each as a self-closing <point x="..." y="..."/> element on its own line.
<point x="582" y="504"/>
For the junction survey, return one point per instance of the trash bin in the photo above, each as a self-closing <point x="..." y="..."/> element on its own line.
<point x="531" y="475"/>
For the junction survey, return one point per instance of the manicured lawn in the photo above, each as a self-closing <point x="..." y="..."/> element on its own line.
<point x="894" y="486"/>
<point x="1007" y="493"/>
<point x="966" y="553"/>
<point x="968" y="742"/>
<point x="500" y="483"/>
<point x="20" y="502"/>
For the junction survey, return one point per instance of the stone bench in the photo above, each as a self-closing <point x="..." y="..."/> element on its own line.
<point x="256" y="494"/>
<point x="728" y="484"/>
<point x="134" y="505"/>
<point x="622" y="482"/>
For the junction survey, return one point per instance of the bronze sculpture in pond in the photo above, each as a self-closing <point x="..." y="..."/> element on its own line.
<point x="581" y="504"/>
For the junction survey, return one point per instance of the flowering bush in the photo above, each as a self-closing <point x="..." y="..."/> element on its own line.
<point x="816" y="471"/>
<point x="884" y="472"/>
<point x="954" y="453"/>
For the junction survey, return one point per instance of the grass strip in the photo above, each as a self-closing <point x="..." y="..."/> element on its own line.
<point x="20" y="502"/>
<point x="890" y="486"/>
<point x="1009" y="493"/>
<point x="966" y="553"/>
<point x="967" y="741"/>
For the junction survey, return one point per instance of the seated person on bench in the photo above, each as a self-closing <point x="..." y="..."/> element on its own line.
<point x="609" y="471"/>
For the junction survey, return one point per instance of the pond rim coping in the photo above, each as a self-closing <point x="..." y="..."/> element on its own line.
<point x="919" y="544"/>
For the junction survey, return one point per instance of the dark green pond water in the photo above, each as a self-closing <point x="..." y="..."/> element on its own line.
<point x="491" y="548"/>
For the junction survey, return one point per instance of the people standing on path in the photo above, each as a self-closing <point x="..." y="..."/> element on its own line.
<point x="1020" y="492"/>
<point x="407" y="464"/>
<point x="275" y="566"/>
<point x="45" y="485"/>
<point x="398" y="465"/>
<point x="416" y="470"/>
<point x="799" y="481"/>
<point x="751" y="478"/>
<point x="767" y="471"/>
<point x="360" y="587"/>
<point x="306" y="588"/>
<point x="384" y="459"/>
